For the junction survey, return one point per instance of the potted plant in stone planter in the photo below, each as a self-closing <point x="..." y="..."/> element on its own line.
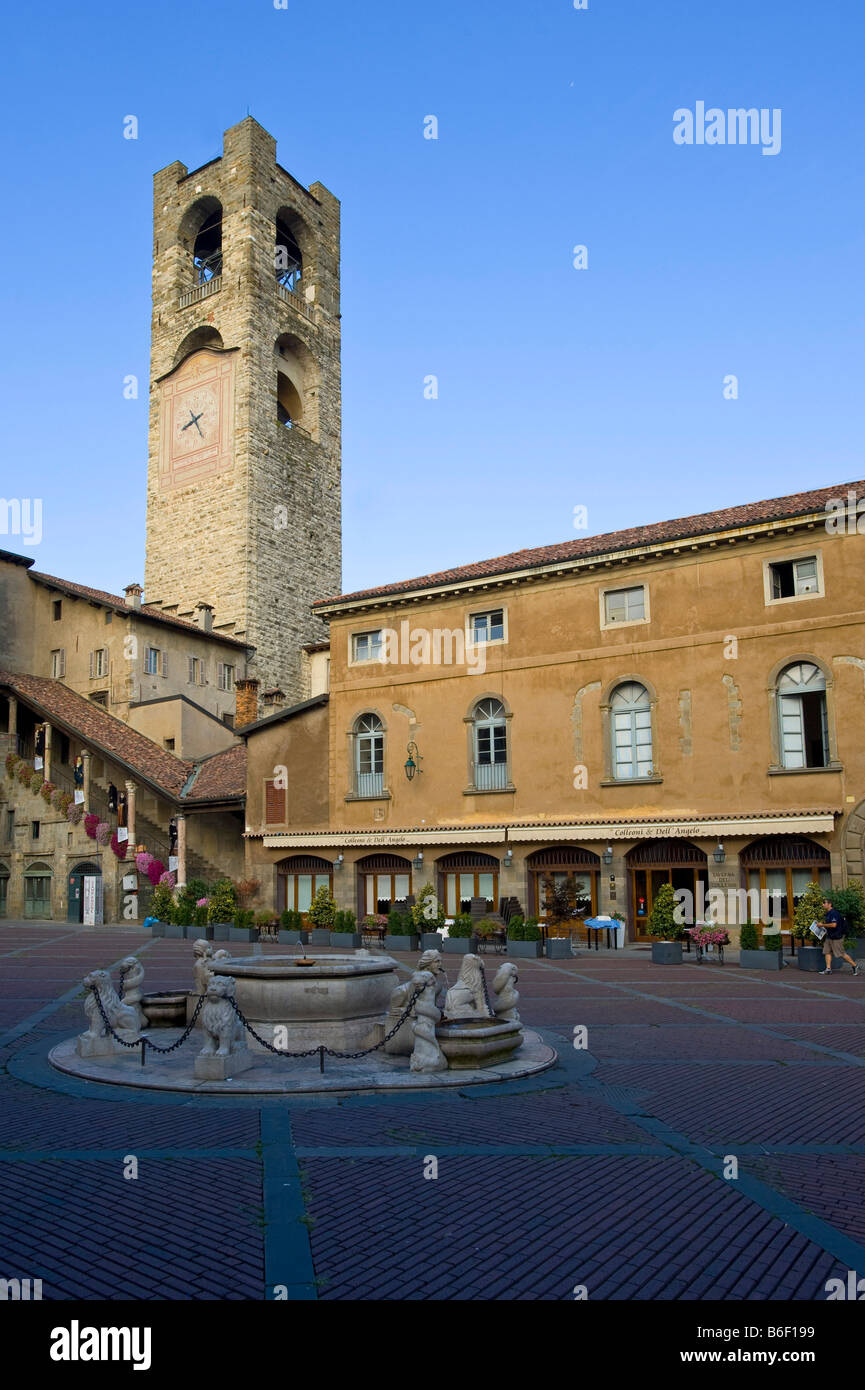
<point x="524" y="938"/>
<point x="161" y="907"/>
<point x="428" y="917"/>
<point x="344" y="933"/>
<point x="322" y="911"/>
<point x="750" y="955"/>
<point x="291" y="928"/>
<point x="459" y="938"/>
<point x="665" y="931"/>
<point x="773" y="957"/>
<point x="809" y="909"/>
<point x="243" y="927"/>
<point x="221" y="908"/>
<point x="401" y="935"/>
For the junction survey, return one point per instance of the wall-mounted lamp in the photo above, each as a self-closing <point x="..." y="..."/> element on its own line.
<point x="417" y="862"/>
<point x="509" y="857"/>
<point x="411" y="762"/>
<point x="607" y="855"/>
<point x="720" y="854"/>
<point x="339" y="861"/>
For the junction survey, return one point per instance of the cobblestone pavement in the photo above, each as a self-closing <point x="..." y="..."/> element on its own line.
<point x="607" y="1171"/>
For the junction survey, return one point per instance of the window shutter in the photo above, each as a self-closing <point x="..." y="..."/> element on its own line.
<point x="92" y="665"/>
<point x="202" y="678"/>
<point x="220" y="675"/>
<point x="61" y="664"/>
<point x="274" y="803"/>
<point x="165" y="663"/>
<point x="191" y="676"/>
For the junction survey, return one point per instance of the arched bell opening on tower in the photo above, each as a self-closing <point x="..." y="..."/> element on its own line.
<point x="288" y="257"/>
<point x="289" y="407"/>
<point x="297" y="379"/>
<point x="201" y="237"/>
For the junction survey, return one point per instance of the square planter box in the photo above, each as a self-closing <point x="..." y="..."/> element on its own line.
<point x="457" y="945"/>
<point x="559" y="948"/>
<point x="193" y="933"/>
<point x="158" y="928"/>
<point x="172" y="931"/>
<point x="293" y="938"/>
<point x="401" y="943"/>
<point x="858" y="952"/>
<point x="761" y="960"/>
<point x="431" y="940"/>
<point x="666" y="953"/>
<point x="810" y="958"/>
<point x="528" y="950"/>
<point x="221" y="930"/>
<point x="319" y="936"/>
<point x="243" y="933"/>
<point x="344" y="940"/>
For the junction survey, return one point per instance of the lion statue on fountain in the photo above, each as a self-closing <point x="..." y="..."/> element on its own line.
<point x="467" y="998"/>
<point x="122" y="1017"/>
<point x="222" y="1028"/>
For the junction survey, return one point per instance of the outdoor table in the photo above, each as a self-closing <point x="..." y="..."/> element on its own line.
<point x="595" y="933"/>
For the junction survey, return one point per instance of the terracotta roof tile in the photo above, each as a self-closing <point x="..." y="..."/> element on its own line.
<point x="223" y="775"/>
<point x="705" y="523"/>
<point x="216" y="778"/>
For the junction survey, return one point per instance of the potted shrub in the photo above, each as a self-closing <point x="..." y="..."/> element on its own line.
<point x="344" y="933"/>
<point x="162" y="907"/>
<point x="428" y="918"/>
<point x="221" y="908"/>
<point x="524" y="938"/>
<point x="401" y="935"/>
<point x="750" y="955"/>
<point x="666" y="933"/>
<point x="459" y="938"/>
<point x="243" y="927"/>
<point x="322" y="911"/>
<point x="809" y="909"/>
<point x="267" y="923"/>
<point x="291" y="929"/>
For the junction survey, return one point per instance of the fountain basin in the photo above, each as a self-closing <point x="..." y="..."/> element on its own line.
<point x="335" y="1000"/>
<point x="470" y="1043"/>
<point x="165" y="1010"/>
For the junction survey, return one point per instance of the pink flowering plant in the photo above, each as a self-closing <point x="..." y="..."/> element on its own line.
<point x="91" y="822"/>
<point x="155" y="870"/>
<point x="167" y="880"/>
<point x="704" y="935"/>
<point x="103" y="833"/>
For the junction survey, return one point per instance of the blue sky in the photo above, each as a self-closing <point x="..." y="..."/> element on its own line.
<point x="557" y="387"/>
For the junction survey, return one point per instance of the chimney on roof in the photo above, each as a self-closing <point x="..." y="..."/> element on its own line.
<point x="246" y="701"/>
<point x="133" y="594"/>
<point x="273" y="699"/>
<point x="204" y="616"/>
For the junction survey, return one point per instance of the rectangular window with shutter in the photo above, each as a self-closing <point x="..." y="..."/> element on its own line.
<point x="58" y="663"/>
<point x="98" y="663"/>
<point x="274" y="803"/>
<point x="165" y="663"/>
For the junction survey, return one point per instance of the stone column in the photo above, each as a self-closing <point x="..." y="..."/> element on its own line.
<point x="131" y="789"/>
<point x="86" y="759"/>
<point x="13" y="722"/>
<point x="48" y="756"/>
<point x="181" y="849"/>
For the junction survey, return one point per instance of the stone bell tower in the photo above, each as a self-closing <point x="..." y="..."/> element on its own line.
<point x="243" y="489"/>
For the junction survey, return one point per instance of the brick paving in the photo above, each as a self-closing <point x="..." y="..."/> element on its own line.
<point x="606" y="1171"/>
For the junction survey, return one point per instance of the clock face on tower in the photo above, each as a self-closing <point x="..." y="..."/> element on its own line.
<point x="196" y="419"/>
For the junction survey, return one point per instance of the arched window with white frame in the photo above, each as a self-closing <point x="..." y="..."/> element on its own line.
<point x="802" y="716"/>
<point x="369" y="755"/>
<point x="490" y="740"/>
<point x="631" y="727"/>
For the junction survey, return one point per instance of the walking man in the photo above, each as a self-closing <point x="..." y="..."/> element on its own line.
<point x="833" y="941"/>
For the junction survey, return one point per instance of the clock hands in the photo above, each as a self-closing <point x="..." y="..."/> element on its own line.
<point x="193" y="420"/>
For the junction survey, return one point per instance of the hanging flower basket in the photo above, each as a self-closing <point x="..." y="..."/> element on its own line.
<point x="46" y="791"/>
<point x="143" y="860"/>
<point x="74" y="813"/>
<point x="103" y="833"/>
<point x="24" y="772"/>
<point x="119" y="847"/>
<point x="91" y="822"/>
<point x="12" y="761"/>
<point x="155" y="870"/>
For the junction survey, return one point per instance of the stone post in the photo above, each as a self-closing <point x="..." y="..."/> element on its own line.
<point x="86" y="759"/>
<point x="131" y="789"/>
<point x="47" y="758"/>
<point x="181" y="849"/>
<point x="13" y="723"/>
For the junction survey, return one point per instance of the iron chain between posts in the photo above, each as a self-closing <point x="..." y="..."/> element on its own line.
<point x="145" y="1041"/>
